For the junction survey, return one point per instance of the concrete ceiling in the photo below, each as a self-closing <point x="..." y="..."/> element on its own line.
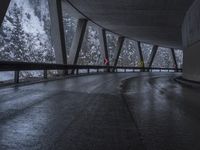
<point x="151" y="21"/>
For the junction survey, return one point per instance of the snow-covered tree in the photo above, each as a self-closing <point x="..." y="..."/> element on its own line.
<point x="163" y="58"/>
<point x="90" y="53"/>
<point x="17" y="44"/>
<point x="111" y="45"/>
<point x="25" y="33"/>
<point x="129" y="56"/>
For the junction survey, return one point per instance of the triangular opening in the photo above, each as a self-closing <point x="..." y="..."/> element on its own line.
<point x="129" y="56"/>
<point x="163" y="58"/>
<point x="25" y="34"/>
<point x="90" y="52"/>
<point x="179" y="58"/>
<point x="111" y="45"/>
<point x="146" y="51"/>
<point x="70" y="26"/>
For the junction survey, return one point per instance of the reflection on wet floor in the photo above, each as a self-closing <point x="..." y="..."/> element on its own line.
<point x="152" y="112"/>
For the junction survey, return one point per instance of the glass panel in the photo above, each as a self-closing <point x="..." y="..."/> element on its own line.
<point x="25" y="32"/>
<point x="179" y="58"/>
<point x="52" y="73"/>
<point x="70" y="25"/>
<point x="30" y="74"/>
<point x="90" y="52"/>
<point x="129" y="56"/>
<point x="146" y="51"/>
<point x="6" y="76"/>
<point x="163" y="58"/>
<point x="111" y="45"/>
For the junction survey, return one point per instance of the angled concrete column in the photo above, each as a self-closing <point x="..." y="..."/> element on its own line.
<point x="3" y="9"/>
<point x="141" y="55"/>
<point x="118" y="51"/>
<point x="77" y="41"/>
<point x="57" y="31"/>
<point x="191" y="43"/>
<point x="152" y="56"/>
<point x="103" y="44"/>
<point x="174" y="58"/>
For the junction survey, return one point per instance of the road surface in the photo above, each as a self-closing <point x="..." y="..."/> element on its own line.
<point x="125" y="111"/>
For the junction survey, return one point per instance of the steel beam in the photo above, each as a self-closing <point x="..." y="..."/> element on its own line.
<point x="153" y="54"/>
<point x="103" y="44"/>
<point x="118" y="51"/>
<point x="140" y="53"/>
<point x="174" y="58"/>
<point x="77" y="41"/>
<point x="57" y="31"/>
<point x="3" y="9"/>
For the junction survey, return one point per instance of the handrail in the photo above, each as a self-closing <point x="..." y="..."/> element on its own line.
<point x="22" y="66"/>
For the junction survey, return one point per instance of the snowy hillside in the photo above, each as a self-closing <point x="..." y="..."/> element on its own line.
<point x="26" y="31"/>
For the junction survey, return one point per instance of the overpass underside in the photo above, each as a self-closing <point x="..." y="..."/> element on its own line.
<point x="107" y="105"/>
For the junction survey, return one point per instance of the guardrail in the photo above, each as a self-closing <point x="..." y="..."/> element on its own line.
<point x="74" y="69"/>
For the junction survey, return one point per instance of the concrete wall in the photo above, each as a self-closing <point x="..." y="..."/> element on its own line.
<point x="191" y="43"/>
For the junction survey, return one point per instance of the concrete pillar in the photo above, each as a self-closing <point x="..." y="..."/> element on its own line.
<point x="103" y="44"/>
<point x="191" y="43"/>
<point x="118" y="51"/>
<point x="57" y="31"/>
<point x="3" y="9"/>
<point x="152" y="56"/>
<point x="140" y="53"/>
<point x="174" y="58"/>
<point x="77" y="41"/>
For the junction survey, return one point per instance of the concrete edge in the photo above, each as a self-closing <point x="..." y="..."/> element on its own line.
<point x="187" y="82"/>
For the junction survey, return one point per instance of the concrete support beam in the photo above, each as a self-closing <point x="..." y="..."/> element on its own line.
<point x="153" y="54"/>
<point x="77" y="41"/>
<point x="3" y="9"/>
<point x="57" y="31"/>
<point x="140" y="53"/>
<point x="103" y="44"/>
<point x="118" y="51"/>
<point x="174" y="58"/>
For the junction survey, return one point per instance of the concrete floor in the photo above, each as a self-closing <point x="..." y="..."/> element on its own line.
<point x="101" y="112"/>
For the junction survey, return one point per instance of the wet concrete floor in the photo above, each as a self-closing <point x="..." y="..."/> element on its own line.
<point x="125" y="111"/>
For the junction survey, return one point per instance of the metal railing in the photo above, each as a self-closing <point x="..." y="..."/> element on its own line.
<point x="73" y="69"/>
